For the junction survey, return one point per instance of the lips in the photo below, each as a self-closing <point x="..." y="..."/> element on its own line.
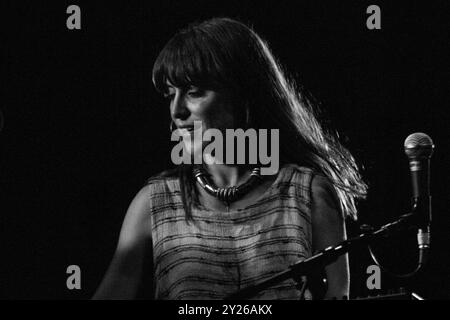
<point x="186" y="130"/>
<point x="189" y="128"/>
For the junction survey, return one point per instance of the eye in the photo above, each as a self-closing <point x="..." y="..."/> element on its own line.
<point x="195" y="92"/>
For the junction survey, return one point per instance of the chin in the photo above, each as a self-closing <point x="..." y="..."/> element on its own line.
<point x="194" y="151"/>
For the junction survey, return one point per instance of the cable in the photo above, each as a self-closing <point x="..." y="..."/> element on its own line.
<point x="423" y="256"/>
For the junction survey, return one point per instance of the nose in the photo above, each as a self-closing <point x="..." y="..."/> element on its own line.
<point x="179" y="109"/>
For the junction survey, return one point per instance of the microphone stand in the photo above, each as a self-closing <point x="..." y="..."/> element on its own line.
<point x="321" y="259"/>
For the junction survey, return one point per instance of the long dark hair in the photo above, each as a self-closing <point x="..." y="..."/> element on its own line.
<point x="223" y="53"/>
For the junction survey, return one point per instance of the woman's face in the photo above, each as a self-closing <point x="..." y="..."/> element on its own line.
<point x="187" y="105"/>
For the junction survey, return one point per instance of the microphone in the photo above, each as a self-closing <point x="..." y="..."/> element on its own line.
<point x="419" y="148"/>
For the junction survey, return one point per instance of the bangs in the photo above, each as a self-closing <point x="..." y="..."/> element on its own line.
<point x="191" y="59"/>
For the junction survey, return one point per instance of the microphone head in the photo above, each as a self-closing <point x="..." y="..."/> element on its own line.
<point x="418" y="145"/>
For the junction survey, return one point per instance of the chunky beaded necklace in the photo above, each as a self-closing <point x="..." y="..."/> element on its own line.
<point x="229" y="194"/>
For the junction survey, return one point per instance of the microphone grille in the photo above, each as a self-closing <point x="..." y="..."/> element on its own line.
<point x="419" y="144"/>
<point x="418" y="139"/>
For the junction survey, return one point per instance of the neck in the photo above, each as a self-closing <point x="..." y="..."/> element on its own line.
<point x="228" y="175"/>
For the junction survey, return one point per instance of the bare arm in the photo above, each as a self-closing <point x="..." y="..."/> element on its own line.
<point x="124" y="274"/>
<point x="328" y="229"/>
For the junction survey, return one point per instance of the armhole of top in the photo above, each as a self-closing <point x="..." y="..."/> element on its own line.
<point x="305" y="179"/>
<point x="332" y="192"/>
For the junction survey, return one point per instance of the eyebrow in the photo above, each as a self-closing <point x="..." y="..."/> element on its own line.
<point x="190" y="86"/>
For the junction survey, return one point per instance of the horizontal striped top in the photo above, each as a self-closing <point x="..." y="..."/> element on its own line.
<point x="219" y="253"/>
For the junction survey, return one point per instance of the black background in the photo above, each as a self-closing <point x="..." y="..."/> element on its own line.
<point x="84" y="127"/>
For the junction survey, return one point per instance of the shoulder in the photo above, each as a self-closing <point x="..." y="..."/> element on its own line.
<point x="158" y="183"/>
<point x="299" y="175"/>
<point x="166" y="175"/>
<point x="162" y="189"/>
<point x="162" y="182"/>
<point x="139" y="213"/>
<point x="314" y="183"/>
<point x="139" y="206"/>
<point x="324" y="198"/>
<point x="136" y="221"/>
<point x="298" y="169"/>
<point x="323" y="190"/>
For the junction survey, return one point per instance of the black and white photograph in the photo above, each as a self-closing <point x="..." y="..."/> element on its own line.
<point x="225" y="150"/>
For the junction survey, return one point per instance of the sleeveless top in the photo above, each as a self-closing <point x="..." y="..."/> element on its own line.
<point x="218" y="253"/>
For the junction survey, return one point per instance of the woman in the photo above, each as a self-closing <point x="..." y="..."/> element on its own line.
<point x="214" y="229"/>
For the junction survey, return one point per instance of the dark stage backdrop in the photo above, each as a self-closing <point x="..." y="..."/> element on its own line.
<point x="84" y="127"/>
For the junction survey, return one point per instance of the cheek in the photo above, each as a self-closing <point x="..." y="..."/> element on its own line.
<point x="220" y="118"/>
